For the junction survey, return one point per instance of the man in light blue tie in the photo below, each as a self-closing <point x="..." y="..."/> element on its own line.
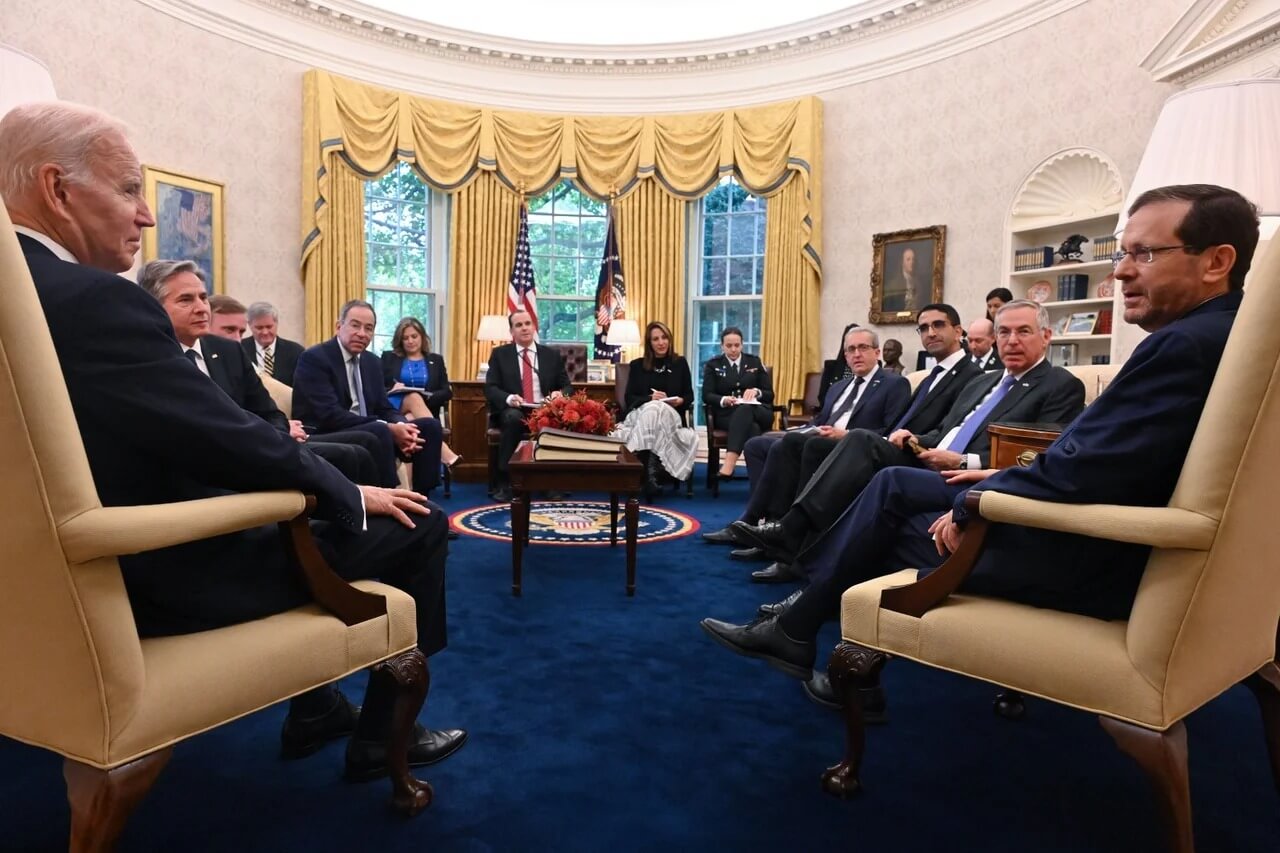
<point x="1029" y="389"/>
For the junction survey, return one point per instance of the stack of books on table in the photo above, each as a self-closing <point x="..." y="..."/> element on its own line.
<point x="560" y="445"/>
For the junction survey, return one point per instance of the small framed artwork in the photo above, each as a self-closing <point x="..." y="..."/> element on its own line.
<point x="189" y="221"/>
<point x="1082" y="323"/>
<point x="906" y="273"/>
<point x="598" y="371"/>
<point x="1060" y="327"/>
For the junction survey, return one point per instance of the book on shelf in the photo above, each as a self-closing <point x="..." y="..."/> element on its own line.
<point x="563" y="439"/>
<point x="1104" y="322"/>
<point x="1073" y="286"/>
<point x="1104" y="247"/>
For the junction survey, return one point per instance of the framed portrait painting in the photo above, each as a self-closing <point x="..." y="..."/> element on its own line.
<point x="188" y="214"/>
<point x="906" y="273"/>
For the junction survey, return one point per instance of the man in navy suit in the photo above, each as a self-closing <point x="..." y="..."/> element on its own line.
<point x="154" y="434"/>
<point x="275" y="356"/>
<point x="338" y="387"/>
<point x="179" y="287"/>
<point x="1181" y="268"/>
<point x="871" y="399"/>
<point x="520" y="374"/>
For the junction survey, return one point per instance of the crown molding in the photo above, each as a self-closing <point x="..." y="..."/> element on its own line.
<point x="868" y="40"/>
<point x="1213" y="35"/>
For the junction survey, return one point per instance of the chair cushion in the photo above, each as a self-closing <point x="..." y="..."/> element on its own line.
<point x="198" y="681"/>
<point x="1070" y="659"/>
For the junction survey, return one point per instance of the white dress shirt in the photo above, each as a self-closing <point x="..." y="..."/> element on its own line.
<point x="947" y="363"/>
<point x="49" y="243"/>
<point x="842" y="422"/>
<point x="533" y="360"/>
<point x="972" y="460"/>
<point x="200" y="362"/>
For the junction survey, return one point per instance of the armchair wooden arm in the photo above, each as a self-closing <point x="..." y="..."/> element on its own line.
<point x="920" y="597"/>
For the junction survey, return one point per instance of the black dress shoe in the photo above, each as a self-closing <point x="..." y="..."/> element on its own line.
<point x="301" y="736"/>
<point x="770" y="536"/>
<point x="778" y="572"/>
<point x="367" y="759"/>
<point x="725" y="477"/>
<point x="452" y="535"/>
<point x="780" y="607"/>
<point x="719" y="537"/>
<point x="502" y="494"/>
<point x="765" y="639"/>
<point x="874" y="708"/>
<point x="749" y="555"/>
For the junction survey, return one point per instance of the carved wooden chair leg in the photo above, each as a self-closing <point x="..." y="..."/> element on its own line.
<point x="852" y="670"/>
<point x="408" y="672"/>
<point x="1265" y="684"/>
<point x="1010" y="705"/>
<point x="1163" y="757"/>
<point x="102" y="800"/>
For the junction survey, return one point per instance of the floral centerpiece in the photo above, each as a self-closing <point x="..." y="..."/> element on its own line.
<point x="578" y="413"/>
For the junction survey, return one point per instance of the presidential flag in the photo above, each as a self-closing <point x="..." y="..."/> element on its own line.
<point x="611" y="295"/>
<point x="520" y="291"/>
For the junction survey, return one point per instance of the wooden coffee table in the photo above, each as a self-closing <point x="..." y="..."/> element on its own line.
<point x="623" y="475"/>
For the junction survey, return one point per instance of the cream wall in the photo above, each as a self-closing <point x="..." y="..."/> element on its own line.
<point x="947" y="143"/>
<point x="196" y="103"/>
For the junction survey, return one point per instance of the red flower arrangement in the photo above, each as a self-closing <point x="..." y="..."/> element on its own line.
<point x="578" y="413"/>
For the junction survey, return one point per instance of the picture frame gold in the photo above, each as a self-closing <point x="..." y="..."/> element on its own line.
<point x="189" y="223"/>
<point x="906" y="273"/>
<point x="1081" y="323"/>
<point x="599" y="370"/>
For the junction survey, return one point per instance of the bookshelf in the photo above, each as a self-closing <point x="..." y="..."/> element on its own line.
<point x="1074" y="191"/>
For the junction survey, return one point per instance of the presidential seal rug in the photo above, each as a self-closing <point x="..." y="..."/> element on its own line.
<point x="573" y="523"/>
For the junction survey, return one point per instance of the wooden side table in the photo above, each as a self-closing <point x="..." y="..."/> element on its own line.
<point x="623" y="475"/>
<point x="1018" y="444"/>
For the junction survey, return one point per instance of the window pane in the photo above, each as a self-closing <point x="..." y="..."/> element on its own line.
<point x="413" y="268"/>
<point x="710" y="321"/>
<point x="414" y="222"/>
<point x="740" y="197"/>
<point x="564" y="278"/>
<point x="417" y="305"/>
<point x="566" y="236"/>
<point x="566" y="199"/>
<point x="591" y="206"/>
<point x="539" y="235"/>
<point x="760" y="232"/>
<point x="717" y="201"/>
<point x="383" y="264"/>
<point x="592" y="236"/>
<point x="759" y="276"/>
<point x="542" y="273"/>
<point x="713" y="281"/>
<point x="386" y="305"/>
<point x="561" y="320"/>
<point x="411" y="186"/>
<point x="381" y="219"/>
<point x="741" y="276"/>
<point x="742" y="235"/>
<point x="716" y="236"/>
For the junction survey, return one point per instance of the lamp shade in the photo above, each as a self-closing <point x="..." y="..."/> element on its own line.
<point x="23" y="78"/>
<point x="623" y="333"/>
<point x="493" y="327"/>
<point x="1223" y="133"/>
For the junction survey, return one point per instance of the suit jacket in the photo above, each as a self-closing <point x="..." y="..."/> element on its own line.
<point x="232" y="371"/>
<point x="439" y="391"/>
<point x="883" y="402"/>
<point x="993" y="361"/>
<point x="503" y="377"/>
<point x="941" y="398"/>
<point x="1045" y="394"/>
<point x="285" y="357"/>
<point x="322" y="394"/>
<point x="1126" y="448"/>
<point x="153" y="432"/>
<point x="718" y="381"/>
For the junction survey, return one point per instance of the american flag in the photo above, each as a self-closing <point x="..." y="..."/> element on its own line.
<point x="520" y="292"/>
<point x="611" y="295"/>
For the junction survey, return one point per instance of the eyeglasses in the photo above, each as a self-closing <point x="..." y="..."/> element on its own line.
<point x="852" y="348"/>
<point x="936" y="325"/>
<point x="1145" y="254"/>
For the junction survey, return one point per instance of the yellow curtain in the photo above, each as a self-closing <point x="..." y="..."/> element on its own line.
<point x="789" y="340"/>
<point x="482" y="244"/>
<point x="651" y="240"/>
<point x="336" y="271"/>
<point x="769" y="148"/>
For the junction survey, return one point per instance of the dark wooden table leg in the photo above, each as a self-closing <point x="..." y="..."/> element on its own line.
<point x="613" y="518"/>
<point x="633" y="522"/>
<point x="519" y="530"/>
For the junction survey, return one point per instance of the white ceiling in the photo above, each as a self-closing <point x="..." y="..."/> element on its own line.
<point x="599" y="22"/>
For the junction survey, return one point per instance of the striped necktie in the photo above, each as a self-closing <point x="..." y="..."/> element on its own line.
<point x="268" y="363"/>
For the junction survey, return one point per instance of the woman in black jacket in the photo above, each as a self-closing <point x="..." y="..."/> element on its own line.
<point x="659" y="392"/>
<point x="415" y="377"/>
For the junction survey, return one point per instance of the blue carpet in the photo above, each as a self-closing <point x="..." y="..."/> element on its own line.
<point x="600" y="722"/>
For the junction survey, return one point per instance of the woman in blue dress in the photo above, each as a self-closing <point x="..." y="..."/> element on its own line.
<point x="416" y="380"/>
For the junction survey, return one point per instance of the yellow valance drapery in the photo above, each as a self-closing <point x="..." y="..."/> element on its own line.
<point x="368" y="129"/>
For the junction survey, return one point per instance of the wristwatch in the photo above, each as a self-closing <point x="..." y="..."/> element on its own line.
<point x="964" y="462"/>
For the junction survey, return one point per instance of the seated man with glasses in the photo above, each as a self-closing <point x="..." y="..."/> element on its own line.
<point x="1028" y="389"/>
<point x="872" y="399"/>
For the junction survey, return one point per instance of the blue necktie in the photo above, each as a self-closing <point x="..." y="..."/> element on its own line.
<point x="974" y="422"/>
<point x="925" y="387"/>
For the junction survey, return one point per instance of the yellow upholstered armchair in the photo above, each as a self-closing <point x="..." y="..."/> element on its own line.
<point x="1204" y="619"/>
<point x="77" y="679"/>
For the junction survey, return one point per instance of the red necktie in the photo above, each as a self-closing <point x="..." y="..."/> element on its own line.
<point x="526" y="376"/>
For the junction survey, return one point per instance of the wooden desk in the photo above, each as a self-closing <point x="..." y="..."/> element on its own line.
<point x="623" y="475"/>
<point x="1019" y="443"/>
<point x="469" y="419"/>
